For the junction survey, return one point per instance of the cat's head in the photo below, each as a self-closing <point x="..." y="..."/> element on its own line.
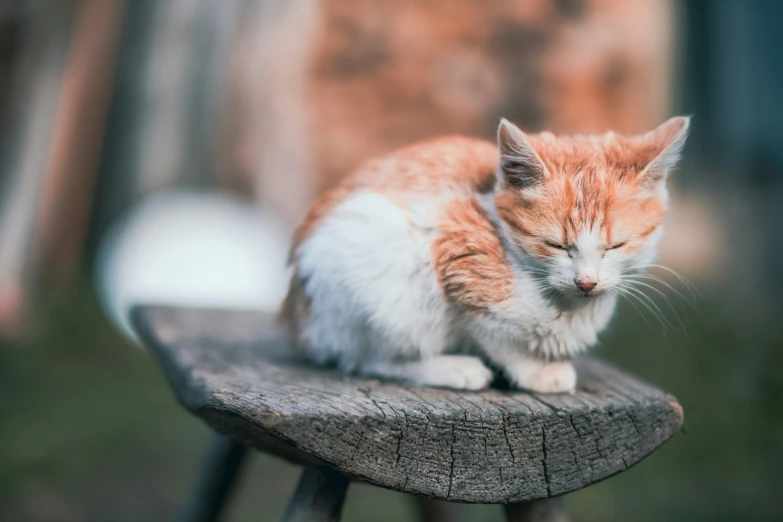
<point x="588" y="210"/>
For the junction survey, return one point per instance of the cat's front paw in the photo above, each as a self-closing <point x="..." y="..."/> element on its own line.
<point x="541" y="377"/>
<point x="459" y="372"/>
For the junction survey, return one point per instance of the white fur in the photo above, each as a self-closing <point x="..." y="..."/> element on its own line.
<point x="374" y="295"/>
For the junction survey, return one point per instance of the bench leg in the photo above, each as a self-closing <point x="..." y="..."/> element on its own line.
<point x="431" y="510"/>
<point x="219" y="470"/>
<point x="546" y="510"/>
<point x="318" y="497"/>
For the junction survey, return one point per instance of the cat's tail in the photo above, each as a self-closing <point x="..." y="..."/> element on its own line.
<point x="193" y="250"/>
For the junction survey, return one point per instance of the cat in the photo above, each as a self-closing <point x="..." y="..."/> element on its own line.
<point x="516" y="249"/>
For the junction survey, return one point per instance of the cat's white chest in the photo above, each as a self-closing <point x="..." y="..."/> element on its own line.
<point x="572" y="331"/>
<point x="543" y="328"/>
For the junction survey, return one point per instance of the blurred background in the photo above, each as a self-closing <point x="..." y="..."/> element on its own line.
<point x="162" y="151"/>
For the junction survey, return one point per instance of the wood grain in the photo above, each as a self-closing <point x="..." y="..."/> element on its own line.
<point x="495" y="446"/>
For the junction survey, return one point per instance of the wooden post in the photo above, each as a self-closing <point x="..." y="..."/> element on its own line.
<point x="30" y="114"/>
<point x="318" y="497"/>
<point x="219" y="471"/>
<point x="77" y="130"/>
<point x="546" y="510"/>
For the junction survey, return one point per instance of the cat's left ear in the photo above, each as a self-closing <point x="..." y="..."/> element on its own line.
<point x="664" y="145"/>
<point x="520" y="165"/>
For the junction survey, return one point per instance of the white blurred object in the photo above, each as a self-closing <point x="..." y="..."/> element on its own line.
<point x="191" y="249"/>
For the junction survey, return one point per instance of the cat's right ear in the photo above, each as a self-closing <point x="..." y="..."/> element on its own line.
<point x="520" y="166"/>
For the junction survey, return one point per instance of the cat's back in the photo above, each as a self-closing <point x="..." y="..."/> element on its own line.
<point x="434" y="170"/>
<point x="455" y="163"/>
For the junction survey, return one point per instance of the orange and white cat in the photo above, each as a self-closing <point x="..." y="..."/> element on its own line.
<point x="517" y="250"/>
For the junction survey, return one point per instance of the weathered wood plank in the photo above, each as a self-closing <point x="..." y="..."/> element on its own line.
<point x="489" y="447"/>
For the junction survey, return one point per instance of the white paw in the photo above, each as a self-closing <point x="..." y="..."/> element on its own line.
<point x="556" y="377"/>
<point x="459" y="372"/>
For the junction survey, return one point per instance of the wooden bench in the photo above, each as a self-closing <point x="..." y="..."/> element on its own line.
<point x="492" y="447"/>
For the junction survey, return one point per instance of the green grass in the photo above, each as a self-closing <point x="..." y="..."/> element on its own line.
<point x="89" y="430"/>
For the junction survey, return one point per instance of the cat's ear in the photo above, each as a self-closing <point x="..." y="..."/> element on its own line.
<point x="520" y="166"/>
<point x="663" y="146"/>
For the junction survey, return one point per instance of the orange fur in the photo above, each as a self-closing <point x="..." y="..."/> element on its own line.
<point x="469" y="259"/>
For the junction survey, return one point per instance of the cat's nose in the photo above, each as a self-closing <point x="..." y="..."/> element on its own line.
<point x="585" y="284"/>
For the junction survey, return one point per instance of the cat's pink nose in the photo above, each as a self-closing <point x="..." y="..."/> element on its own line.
<point x="585" y="284"/>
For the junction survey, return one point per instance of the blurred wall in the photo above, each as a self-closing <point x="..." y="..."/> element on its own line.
<point x="387" y="74"/>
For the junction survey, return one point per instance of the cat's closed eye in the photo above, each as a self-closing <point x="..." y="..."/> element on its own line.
<point x="553" y="244"/>
<point x="617" y="245"/>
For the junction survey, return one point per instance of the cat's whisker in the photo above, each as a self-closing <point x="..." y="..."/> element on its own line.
<point x="633" y="297"/>
<point x="550" y="292"/>
<point x="651" y="277"/>
<point x="644" y="298"/>
<point x="539" y="271"/>
<point x="690" y="286"/>
<point x="635" y="272"/>
<point x="677" y="298"/>
<point x="541" y="283"/>
<point x="637" y="276"/>
<point x="651" y="287"/>
<point x="669" y="301"/>
<point x="621" y="293"/>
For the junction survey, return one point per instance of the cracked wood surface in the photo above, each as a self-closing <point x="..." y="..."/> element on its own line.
<point x="495" y="446"/>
